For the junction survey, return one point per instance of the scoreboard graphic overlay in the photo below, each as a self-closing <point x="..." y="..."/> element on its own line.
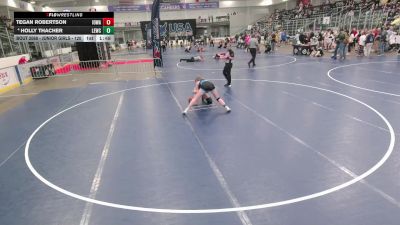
<point x="64" y="26"/>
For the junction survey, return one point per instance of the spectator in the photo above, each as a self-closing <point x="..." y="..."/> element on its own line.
<point x="240" y="43"/>
<point x="369" y="41"/>
<point x="361" y="44"/>
<point x="313" y="41"/>
<point x="283" y="37"/>
<point x="188" y="48"/>
<point x="247" y="41"/>
<point x="340" y="45"/>
<point x="303" y="39"/>
<point x="22" y="60"/>
<point x="384" y="40"/>
<point x="378" y="40"/>
<point x="273" y="41"/>
<point x="352" y="39"/>
<point x="326" y="41"/>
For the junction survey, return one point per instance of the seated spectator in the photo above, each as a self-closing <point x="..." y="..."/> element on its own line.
<point x="220" y="44"/>
<point x="240" y="43"/>
<point x="303" y="39"/>
<point x="318" y="53"/>
<point x="313" y="40"/>
<point x="188" y="48"/>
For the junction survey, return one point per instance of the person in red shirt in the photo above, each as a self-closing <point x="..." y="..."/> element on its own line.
<point x="376" y="32"/>
<point x="22" y="60"/>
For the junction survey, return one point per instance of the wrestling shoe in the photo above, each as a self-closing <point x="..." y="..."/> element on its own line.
<point x="185" y="112"/>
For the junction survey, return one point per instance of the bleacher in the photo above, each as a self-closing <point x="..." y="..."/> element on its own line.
<point x="342" y="14"/>
<point x="7" y="45"/>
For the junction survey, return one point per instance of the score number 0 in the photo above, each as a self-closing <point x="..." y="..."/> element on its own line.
<point x="108" y="21"/>
<point x="108" y="25"/>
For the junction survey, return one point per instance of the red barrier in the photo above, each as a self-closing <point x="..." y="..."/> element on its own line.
<point x="76" y="67"/>
<point x="133" y="61"/>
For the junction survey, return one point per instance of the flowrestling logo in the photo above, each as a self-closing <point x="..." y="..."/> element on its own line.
<point x="4" y="78"/>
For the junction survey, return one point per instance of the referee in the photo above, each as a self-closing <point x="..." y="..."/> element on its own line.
<point x="253" y="50"/>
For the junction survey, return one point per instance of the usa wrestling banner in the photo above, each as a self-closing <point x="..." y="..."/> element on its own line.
<point x="170" y="29"/>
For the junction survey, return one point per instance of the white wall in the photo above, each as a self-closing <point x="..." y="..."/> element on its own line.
<point x="247" y="17"/>
<point x="249" y="13"/>
<point x="244" y="17"/>
<point x="100" y="8"/>
<point x="59" y="51"/>
<point x="129" y="35"/>
<point x="225" y="6"/>
<point x="142" y="2"/>
<point x="11" y="61"/>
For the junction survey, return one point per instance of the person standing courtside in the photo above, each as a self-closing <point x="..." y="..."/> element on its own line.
<point x="253" y="50"/>
<point x="369" y="41"/>
<point x="228" y="67"/>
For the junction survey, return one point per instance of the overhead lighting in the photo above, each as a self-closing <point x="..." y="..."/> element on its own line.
<point x="266" y="2"/>
<point x="33" y="2"/>
<point x="96" y="1"/>
<point x="228" y="3"/>
<point x="46" y="7"/>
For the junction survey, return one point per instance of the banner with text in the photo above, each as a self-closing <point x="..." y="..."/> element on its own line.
<point x="170" y="29"/>
<point x="164" y="7"/>
<point x="8" y="79"/>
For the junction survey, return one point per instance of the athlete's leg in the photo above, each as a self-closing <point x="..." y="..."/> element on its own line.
<point x="225" y="73"/>
<point x="229" y="76"/>
<point x="220" y="100"/>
